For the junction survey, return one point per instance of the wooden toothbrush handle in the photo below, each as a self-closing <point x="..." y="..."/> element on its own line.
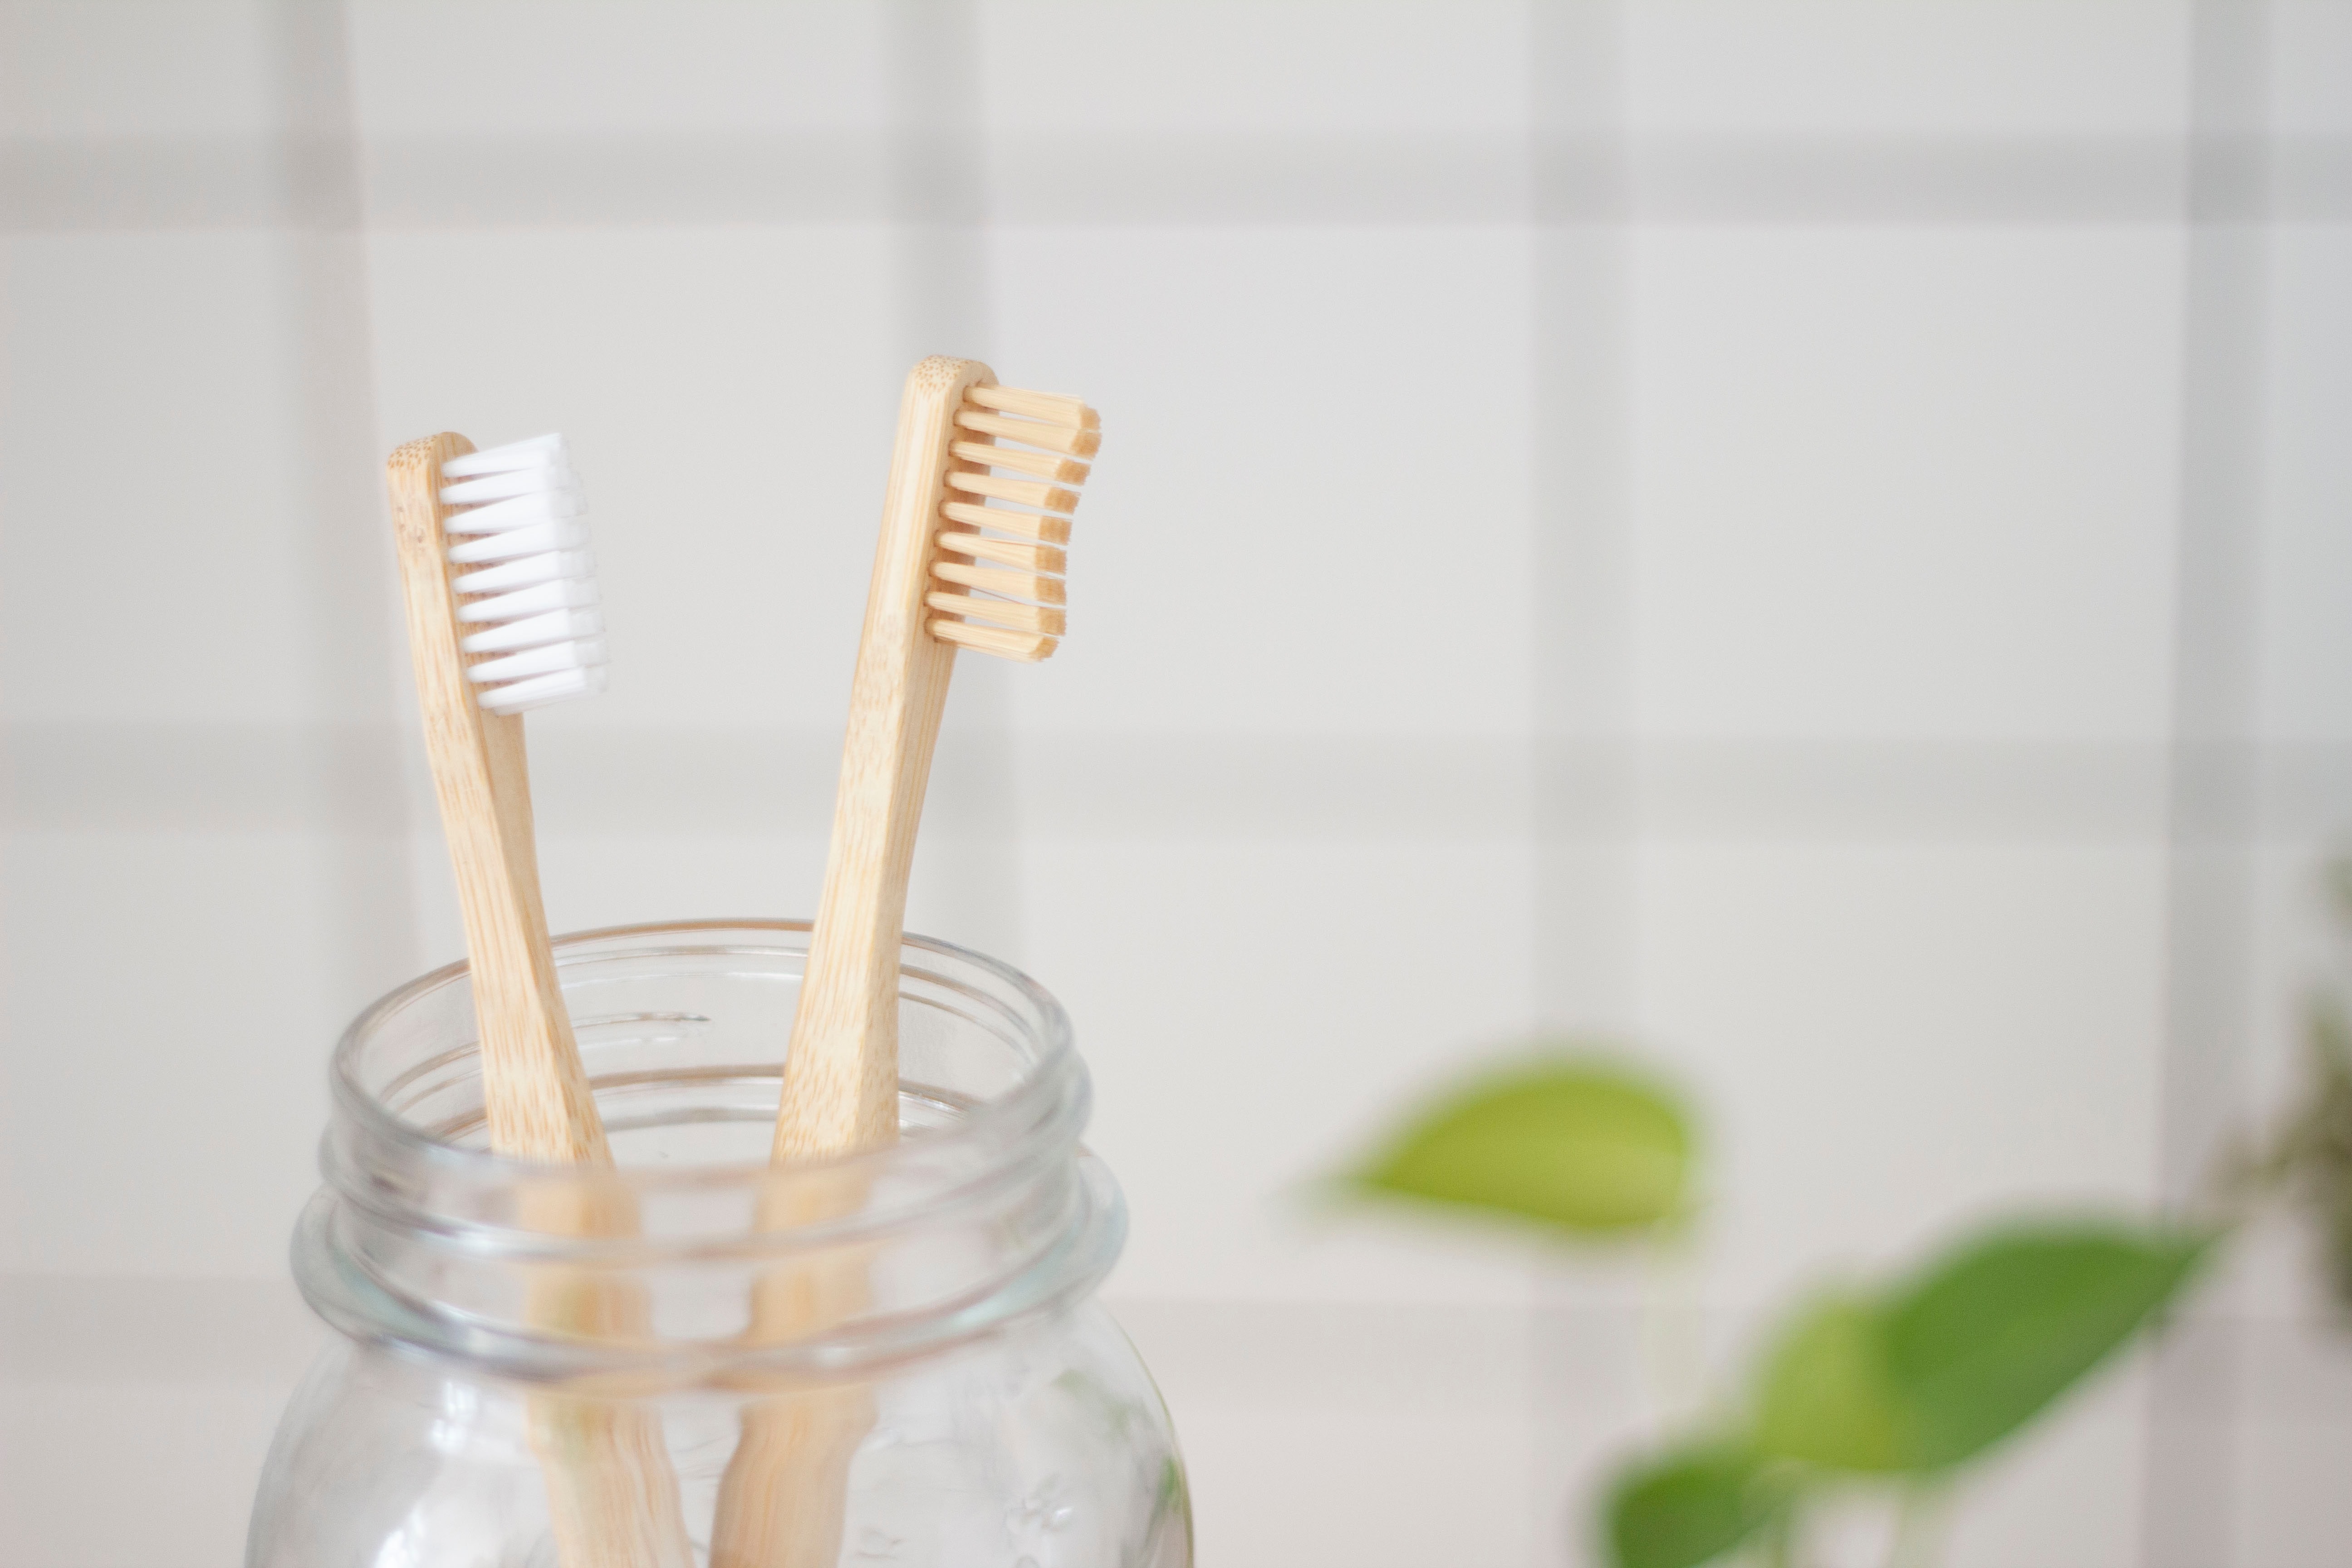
<point x="785" y="1496"/>
<point x="841" y="1075"/>
<point x="535" y="1092"/>
<point x="612" y="1496"/>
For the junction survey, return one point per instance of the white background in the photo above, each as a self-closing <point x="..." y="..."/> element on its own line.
<point x="1813" y="541"/>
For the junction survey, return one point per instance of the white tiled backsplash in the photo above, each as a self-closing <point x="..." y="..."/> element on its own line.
<point x="1713" y="525"/>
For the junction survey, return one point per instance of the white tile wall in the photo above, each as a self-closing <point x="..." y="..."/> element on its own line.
<point x="1910" y="482"/>
<point x="1254" y="1010"/>
<point x="1826" y="67"/>
<point x="1229" y="67"/>
<point x="1301" y="1468"/>
<point x="2288" y="1511"/>
<point x="2310" y="48"/>
<point x="1328" y="507"/>
<point x="1851" y="381"/>
<point x="2306" y="545"/>
<point x="173" y="68"/>
<point x="1306" y="1420"/>
<point x="170" y="999"/>
<point x="190" y="1442"/>
<point x="441" y="68"/>
<point x="149" y="486"/>
<point x="1888" y="1041"/>
<point x="177" y="1383"/>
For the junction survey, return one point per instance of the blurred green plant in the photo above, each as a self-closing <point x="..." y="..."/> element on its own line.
<point x="1903" y="1383"/>
<point x="2308" y="1161"/>
<point x="1897" y="1385"/>
<point x="1582" y="1146"/>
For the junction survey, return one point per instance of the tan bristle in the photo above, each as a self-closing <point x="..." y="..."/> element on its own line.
<point x="1012" y="585"/>
<point x="1035" y="432"/>
<point x="1051" y="425"/>
<point x="1005" y="551"/>
<point x="1024" y="492"/>
<point x="1062" y="470"/>
<point x="1023" y="617"/>
<point x="1046" y="529"/>
<point x="1027" y="647"/>
<point x="1046" y="405"/>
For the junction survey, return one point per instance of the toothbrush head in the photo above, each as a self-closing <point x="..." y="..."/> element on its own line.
<point x="517" y="521"/>
<point x="997" y="583"/>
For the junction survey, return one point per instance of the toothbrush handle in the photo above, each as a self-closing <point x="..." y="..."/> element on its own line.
<point x="535" y="1092"/>
<point x="841" y="1075"/>
<point x="613" y="1496"/>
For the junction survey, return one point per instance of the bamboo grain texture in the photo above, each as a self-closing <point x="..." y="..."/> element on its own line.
<point x="780" y="1503"/>
<point x="613" y="1498"/>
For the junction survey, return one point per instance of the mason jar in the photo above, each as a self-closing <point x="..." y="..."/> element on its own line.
<point x="947" y="1391"/>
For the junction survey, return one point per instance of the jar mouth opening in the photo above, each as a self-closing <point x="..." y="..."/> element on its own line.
<point x="1052" y="1059"/>
<point x="987" y="1209"/>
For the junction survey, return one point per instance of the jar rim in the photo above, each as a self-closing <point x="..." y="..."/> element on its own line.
<point x="1052" y="1060"/>
<point x="424" y="1243"/>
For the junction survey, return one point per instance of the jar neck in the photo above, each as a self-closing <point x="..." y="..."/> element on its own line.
<point x="693" y="1260"/>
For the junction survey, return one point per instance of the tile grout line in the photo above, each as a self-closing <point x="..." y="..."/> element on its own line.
<point x="2189" y="1502"/>
<point x="640" y="180"/>
<point x="303" y="778"/>
<point x="939" y="215"/>
<point x="1581" y="841"/>
<point x="352" y="630"/>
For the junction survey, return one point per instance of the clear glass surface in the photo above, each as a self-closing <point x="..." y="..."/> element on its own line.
<point x="1002" y="1417"/>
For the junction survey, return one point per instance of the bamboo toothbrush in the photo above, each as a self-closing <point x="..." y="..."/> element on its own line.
<point x="950" y="571"/>
<point x="940" y="541"/>
<point x="505" y="621"/>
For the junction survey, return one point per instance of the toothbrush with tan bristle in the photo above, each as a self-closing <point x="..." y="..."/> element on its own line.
<point x="502" y="621"/>
<point x="951" y="571"/>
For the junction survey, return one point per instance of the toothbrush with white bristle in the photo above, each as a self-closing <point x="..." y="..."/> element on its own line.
<point x="505" y="621"/>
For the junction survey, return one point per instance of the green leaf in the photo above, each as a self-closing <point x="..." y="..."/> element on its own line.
<point x="1827" y="1398"/>
<point x="1692" y="1507"/>
<point x="1970" y="1348"/>
<point x="1985" y="1339"/>
<point x="1585" y="1147"/>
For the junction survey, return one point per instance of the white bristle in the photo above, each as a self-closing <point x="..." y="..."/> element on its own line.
<point x="521" y="506"/>
<point x="567" y="533"/>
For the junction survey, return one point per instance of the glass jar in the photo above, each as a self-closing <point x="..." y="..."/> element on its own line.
<point x="974" y="1405"/>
